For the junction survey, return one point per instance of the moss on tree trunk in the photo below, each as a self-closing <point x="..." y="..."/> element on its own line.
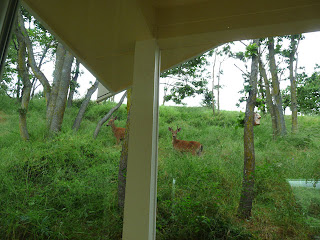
<point x="247" y="194"/>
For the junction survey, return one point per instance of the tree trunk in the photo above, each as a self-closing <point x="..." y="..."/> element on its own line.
<point x="214" y="65"/>
<point x="262" y="94"/>
<point x="270" y="106"/>
<point x="218" y="97"/>
<point x="34" y="81"/>
<point x="35" y="69"/>
<point x="60" y="55"/>
<point x="56" y="96"/>
<point x="276" y="89"/>
<point x="124" y="158"/>
<point x="62" y="86"/>
<point x="26" y="90"/>
<point x="107" y="116"/>
<point x="18" y="89"/>
<point x="247" y="194"/>
<point x="84" y="106"/>
<point x="293" y="86"/>
<point x="73" y="84"/>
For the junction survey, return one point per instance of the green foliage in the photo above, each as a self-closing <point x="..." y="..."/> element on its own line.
<point x="240" y="119"/>
<point x="251" y="50"/>
<point x="208" y="99"/>
<point x="308" y="93"/>
<point x="187" y="79"/>
<point x="7" y="83"/>
<point x="66" y="187"/>
<point x="190" y="68"/>
<point x="286" y="98"/>
<point x="41" y="39"/>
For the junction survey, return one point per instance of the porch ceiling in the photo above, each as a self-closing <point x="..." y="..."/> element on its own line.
<point x="102" y="34"/>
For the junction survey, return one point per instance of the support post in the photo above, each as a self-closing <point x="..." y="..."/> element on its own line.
<point x="141" y="188"/>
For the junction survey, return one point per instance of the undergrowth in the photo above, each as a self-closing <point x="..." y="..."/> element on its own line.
<point x="66" y="187"/>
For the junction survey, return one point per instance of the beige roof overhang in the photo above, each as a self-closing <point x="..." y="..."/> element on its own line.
<point x="102" y="33"/>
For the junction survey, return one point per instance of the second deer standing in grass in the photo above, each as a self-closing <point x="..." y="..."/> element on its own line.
<point x="185" y="146"/>
<point x="117" y="131"/>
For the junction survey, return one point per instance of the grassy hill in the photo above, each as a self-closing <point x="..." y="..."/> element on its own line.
<point x="66" y="187"/>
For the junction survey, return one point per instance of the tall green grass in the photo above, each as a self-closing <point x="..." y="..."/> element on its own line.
<point x="66" y="187"/>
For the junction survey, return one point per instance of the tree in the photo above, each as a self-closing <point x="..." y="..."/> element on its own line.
<point x="8" y="85"/>
<point x="281" y="127"/>
<point x="56" y="95"/>
<point x="208" y="100"/>
<point x="187" y="80"/>
<point x="293" y="50"/>
<point x="108" y="115"/>
<point x="270" y="106"/>
<point x="59" y="90"/>
<point x="308" y="93"/>
<point x="207" y="94"/>
<point x="26" y="91"/>
<point x="247" y="194"/>
<point x="73" y="84"/>
<point x="223" y="52"/>
<point x="84" y="105"/>
<point x="291" y="55"/>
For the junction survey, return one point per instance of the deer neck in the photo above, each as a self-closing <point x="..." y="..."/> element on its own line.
<point x="113" y="127"/>
<point x="174" y="140"/>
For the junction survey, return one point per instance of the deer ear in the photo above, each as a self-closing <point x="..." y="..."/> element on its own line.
<point x="179" y="129"/>
<point x="170" y="129"/>
<point x="115" y="118"/>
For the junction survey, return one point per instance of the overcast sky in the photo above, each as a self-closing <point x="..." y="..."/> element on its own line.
<point x="231" y="80"/>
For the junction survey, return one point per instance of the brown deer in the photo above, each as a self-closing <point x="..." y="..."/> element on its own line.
<point x="185" y="146"/>
<point x="117" y="131"/>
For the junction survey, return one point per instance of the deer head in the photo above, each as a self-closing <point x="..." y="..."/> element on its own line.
<point x="111" y="121"/>
<point x="174" y="133"/>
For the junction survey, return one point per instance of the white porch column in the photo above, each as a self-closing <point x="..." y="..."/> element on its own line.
<point x="141" y="187"/>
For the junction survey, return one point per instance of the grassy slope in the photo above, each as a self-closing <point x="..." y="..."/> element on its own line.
<point x="66" y="187"/>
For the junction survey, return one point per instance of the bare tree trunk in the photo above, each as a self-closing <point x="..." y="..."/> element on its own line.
<point x="218" y="97"/>
<point x="84" y="106"/>
<point x="165" y="89"/>
<point x="60" y="55"/>
<point x="262" y="94"/>
<point x="270" y="106"/>
<point x="108" y="115"/>
<point x="213" y="67"/>
<point x="62" y="90"/>
<point x="26" y="90"/>
<point x="247" y="194"/>
<point x="276" y="88"/>
<point x="73" y="84"/>
<point x="124" y="158"/>
<point x="293" y="87"/>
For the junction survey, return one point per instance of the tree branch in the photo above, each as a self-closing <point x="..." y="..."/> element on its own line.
<point x="36" y="71"/>
<point x="108" y="115"/>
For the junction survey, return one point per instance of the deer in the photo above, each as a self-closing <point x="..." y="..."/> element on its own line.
<point x="117" y="131"/>
<point x="185" y="146"/>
